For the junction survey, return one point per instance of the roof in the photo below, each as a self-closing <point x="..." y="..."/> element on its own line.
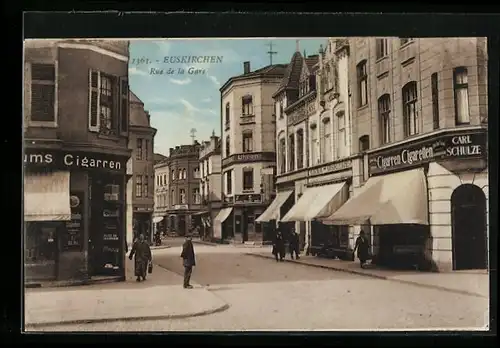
<point x="133" y="98"/>
<point x="292" y="73"/>
<point x="159" y="157"/>
<point x="270" y="70"/>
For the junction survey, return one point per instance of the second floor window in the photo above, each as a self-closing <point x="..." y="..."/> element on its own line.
<point x="282" y="155"/>
<point x="314" y="145"/>
<point x="108" y="104"/>
<point x="138" y="186"/>
<point x="247" y="179"/>
<point x="282" y="113"/>
<point x="300" y="149"/>
<point x="342" y="136"/>
<point x="247" y="141"/>
<point x="196" y="196"/>
<point x="229" y="182"/>
<point x="435" y="100"/>
<point x="146" y="186"/>
<point x="227" y="114"/>
<point x="173" y="174"/>
<point x="405" y="40"/>
<point x="138" y="153"/>
<point x="247" y="105"/>
<point x="146" y="149"/>
<point x="410" y="115"/>
<point x="327" y="141"/>
<point x="182" y="196"/>
<point x="384" y="114"/>
<point x="362" y="84"/>
<point x="228" y="147"/>
<point x="172" y="197"/>
<point x="382" y="48"/>
<point x="196" y="173"/>
<point x="291" y="152"/>
<point x="364" y="143"/>
<point x="461" y="86"/>
<point x="43" y="92"/>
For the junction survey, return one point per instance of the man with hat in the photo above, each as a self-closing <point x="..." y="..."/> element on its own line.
<point x="188" y="259"/>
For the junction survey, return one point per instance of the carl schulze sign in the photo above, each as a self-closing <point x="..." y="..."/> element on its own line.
<point x="470" y="145"/>
<point x="73" y="160"/>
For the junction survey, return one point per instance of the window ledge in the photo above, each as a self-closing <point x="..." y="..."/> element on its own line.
<point x="41" y="124"/>
<point x="362" y="107"/>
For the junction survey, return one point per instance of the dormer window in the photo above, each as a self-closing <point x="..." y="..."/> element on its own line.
<point x="303" y="88"/>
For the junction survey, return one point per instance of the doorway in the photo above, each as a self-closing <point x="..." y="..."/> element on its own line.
<point x="468" y="214"/>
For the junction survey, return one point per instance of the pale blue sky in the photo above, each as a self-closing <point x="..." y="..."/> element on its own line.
<point x="179" y="102"/>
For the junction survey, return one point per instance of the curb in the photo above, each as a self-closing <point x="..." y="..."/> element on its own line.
<point x="154" y="317"/>
<point x="63" y="284"/>
<point x="205" y="243"/>
<point x="160" y="247"/>
<point x="429" y="286"/>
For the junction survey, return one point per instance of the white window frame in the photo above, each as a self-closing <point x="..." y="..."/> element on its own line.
<point x="28" y="97"/>
<point x="94" y="128"/>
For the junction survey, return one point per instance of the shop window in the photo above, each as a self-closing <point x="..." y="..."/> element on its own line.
<point x="384" y="115"/>
<point x="41" y="242"/>
<point x="43" y="92"/>
<point x="410" y="114"/>
<point x="460" y="84"/>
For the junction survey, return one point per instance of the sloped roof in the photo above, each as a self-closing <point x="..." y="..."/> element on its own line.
<point x="270" y="70"/>
<point x="133" y="98"/>
<point x="311" y="61"/>
<point x="292" y="73"/>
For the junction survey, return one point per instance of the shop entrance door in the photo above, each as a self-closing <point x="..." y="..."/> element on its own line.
<point x="468" y="213"/>
<point x="96" y="227"/>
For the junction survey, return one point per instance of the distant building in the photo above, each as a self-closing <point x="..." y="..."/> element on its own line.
<point x="141" y="185"/>
<point x="210" y="185"/>
<point x="158" y="157"/>
<point x="248" y="128"/>
<point x="162" y="194"/>
<point x="184" y="202"/>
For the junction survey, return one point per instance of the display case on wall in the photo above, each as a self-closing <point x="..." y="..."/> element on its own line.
<point x="112" y="221"/>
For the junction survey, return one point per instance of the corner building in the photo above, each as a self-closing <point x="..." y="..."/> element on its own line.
<point x="248" y="129"/>
<point x="420" y="111"/>
<point x="76" y="118"/>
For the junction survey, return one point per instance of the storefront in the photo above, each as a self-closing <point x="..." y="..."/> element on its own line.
<point x="426" y="201"/>
<point x="238" y="219"/>
<point x="269" y="219"/>
<point x="181" y="220"/>
<point x="74" y="214"/>
<point x="323" y="191"/>
<point x="142" y="221"/>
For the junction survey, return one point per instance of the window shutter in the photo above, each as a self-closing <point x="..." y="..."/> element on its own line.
<point x="27" y="93"/>
<point x="124" y="105"/>
<point x="94" y="84"/>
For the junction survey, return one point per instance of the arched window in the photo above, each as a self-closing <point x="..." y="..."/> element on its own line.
<point x="314" y="144"/>
<point x="342" y="134"/>
<point x="228" y="147"/>
<point x="384" y="116"/>
<point x="291" y="152"/>
<point x="282" y="155"/>
<point x="410" y="115"/>
<point x="362" y="76"/>
<point x="227" y="114"/>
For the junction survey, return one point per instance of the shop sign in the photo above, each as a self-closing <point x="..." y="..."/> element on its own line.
<point x="74" y="228"/>
<point x="249" y="158"/>
<point x="463" y="145"/>
<point x="245" y="199"/>
<point x="71" y="160"/>
<point x="330" y="168"/>
<point x="143" y="209"/>
<point x="181" y="207"/>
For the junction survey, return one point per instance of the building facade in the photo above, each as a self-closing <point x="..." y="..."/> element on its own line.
<point x="210" y="186"/>
<point x="141" y="186"/>
<point x="76" y="129"/>
<point x="248" y="147"/>
<point x="315" y="161"/>
<point x="162" y="194"/>
<point x="420" y="111"/>
<point x="184" y="189"/>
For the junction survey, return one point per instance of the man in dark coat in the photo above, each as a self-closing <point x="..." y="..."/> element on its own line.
<point x="143" y="257"/>
<point x="189" y="261"/>
<point x="279" y="245"/>
<point x="363" y="247"/>
<point x="294" y="245"/>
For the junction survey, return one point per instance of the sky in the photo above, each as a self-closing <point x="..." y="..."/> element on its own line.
<point x="179" y="102"/>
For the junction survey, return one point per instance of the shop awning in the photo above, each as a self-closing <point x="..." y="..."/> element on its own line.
<point x="219" y="219"/>
<point x="399" y="198"/>
<point x="158" y="219"/>
<point x="317" y="202"/>
<point x="47" y="197"/>
<point x="273" y="210"/>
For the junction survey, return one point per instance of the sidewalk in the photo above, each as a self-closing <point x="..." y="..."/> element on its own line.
<point x="161" y="296"/>
<point x="475" y="283"/>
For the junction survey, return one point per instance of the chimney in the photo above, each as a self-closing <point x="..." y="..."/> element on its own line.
<point x="246" y="67"/>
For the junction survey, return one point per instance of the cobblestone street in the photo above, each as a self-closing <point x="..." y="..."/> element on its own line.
<point x="266" y="295"/>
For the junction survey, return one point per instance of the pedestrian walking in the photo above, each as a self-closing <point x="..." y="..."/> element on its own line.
<point x="188" y="259"/>
<point x="279" y="246"/>
<point x="362" y="246"/>
<point x="293" y="245"/>
<point x="143" y="256"/>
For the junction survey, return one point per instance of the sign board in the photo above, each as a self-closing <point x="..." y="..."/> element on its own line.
<point x="469" y="144"/>
<point x="249" y="158"/>
<point x="248" y="199"/>
<point x="330" y="168"/>
<point x="39" y="158"/>
<point x="73" y="238"/>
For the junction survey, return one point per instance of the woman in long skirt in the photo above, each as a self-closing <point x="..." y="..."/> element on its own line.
<point x="143" y="256"/>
